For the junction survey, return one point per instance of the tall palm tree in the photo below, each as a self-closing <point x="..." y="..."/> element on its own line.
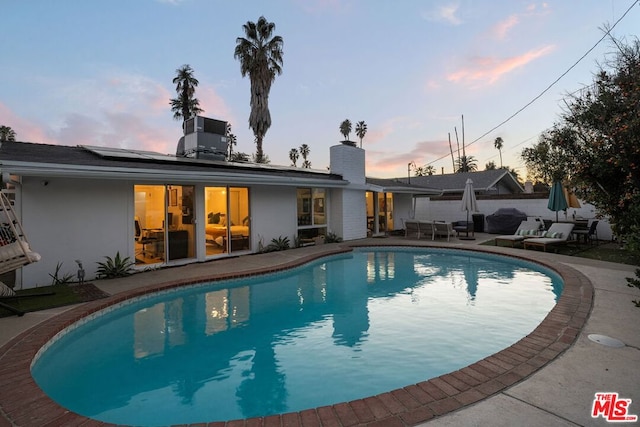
<point x="294" y="156"/>
<point x="260" y="55"/>
<point x="185" y="105"/>
<point x="498" y="144"/>
<point x="304" y="152"/>
<point x="7" y="134"/>
<point x="467" y="164"/>
<point x="424" y="170"/>
<point x="361" y="130"/>
<point x="345" y="129"/>
<point x="231" y="141"/>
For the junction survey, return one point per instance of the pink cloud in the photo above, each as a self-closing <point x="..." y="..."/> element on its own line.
<point x="158" y="99"/>
<point x="382" y="131"/>
<point x="432" y="85"/>
<point x="488" y="70"/>
<point x="121" y="130"/>
<point x="126" y="111"/>
<point x="501" y="29"/>
<point x="423" y="152"/>
<point x="134" y="132"/>
<point x="377" y="134"/>
<point x="26" y="130"/>
<point x="213" y="104"/>
<point x="130" y="92"/>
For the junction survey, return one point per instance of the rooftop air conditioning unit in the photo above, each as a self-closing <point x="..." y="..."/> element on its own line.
<point x="204" y="139"/>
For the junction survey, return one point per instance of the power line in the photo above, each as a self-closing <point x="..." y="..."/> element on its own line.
<point x="608" y="31"/>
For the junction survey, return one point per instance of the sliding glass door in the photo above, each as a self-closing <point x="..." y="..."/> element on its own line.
<point x="228" y="226"/>
<point x="379" y="212"/>
<point x="163" y="223"/>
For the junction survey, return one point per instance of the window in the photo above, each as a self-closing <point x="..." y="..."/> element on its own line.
<point x="379" y="205"/>
<point x="304" y="206"/>
<point x="319" y="214"/>
<point x="312" y="212"/>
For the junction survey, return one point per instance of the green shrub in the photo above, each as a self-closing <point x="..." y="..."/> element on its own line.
<point x="278" y="244"/>
<point x="115" y="267"/>
<point x="332" y="237"/>
<point x="64" y="280"/>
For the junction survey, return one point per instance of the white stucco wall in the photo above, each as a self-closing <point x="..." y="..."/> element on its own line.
<point x="273" y="214"/>
<point x="402" y="210"/>
<point x="90" y="219"/>
<point x="68" y="219"/>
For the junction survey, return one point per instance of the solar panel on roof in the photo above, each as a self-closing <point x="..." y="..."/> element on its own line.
<point x="116" y="152"/>
<point x="129" y="154"/>
<point x="121" y="153"/>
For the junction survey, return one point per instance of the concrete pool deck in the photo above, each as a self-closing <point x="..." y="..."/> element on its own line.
<point x="549" y="378"/>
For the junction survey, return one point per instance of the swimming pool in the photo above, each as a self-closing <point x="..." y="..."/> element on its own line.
<point x="373" y="319"/>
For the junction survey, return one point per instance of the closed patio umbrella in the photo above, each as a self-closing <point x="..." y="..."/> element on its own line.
<point x="469" y="202"/>
<point x="557" y="201"/>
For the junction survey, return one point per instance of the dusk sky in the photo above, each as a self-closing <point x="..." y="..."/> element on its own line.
<point x="78" y="72"/>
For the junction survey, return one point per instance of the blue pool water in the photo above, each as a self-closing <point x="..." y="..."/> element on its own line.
<point x="338" y="329"/>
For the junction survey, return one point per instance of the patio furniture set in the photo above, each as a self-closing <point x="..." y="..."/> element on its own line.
<point x="532" y="234"/>
<point x="421" y="228"/>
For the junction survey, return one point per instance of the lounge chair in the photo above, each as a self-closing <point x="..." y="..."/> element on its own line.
<point x="557" y="234"/>
<point x="416" y="228"/>
<point x="426" y="229"/>
<point x="441" y="228"/>
<point x="527" y="229"/>
<point x="411" y="228"/>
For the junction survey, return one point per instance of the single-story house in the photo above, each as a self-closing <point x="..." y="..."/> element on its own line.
<point x="79" y="204"/>
<point x="488" y="182"/>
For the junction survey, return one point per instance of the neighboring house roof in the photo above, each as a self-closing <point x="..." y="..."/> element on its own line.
<point x="394" y="185"/>
<point x="23" y="158"/>
<point x="483" y="182"/>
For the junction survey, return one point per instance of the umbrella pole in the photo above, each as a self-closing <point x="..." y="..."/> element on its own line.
<point x="467" y="224"/>
<point x="466" y="237"/>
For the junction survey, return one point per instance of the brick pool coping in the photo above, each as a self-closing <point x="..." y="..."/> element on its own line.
<point x="24" y="404"/>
